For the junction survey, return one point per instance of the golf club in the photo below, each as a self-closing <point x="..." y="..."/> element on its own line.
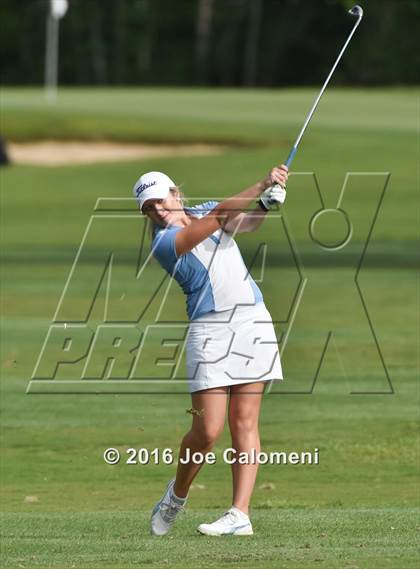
<point x="356" y="11"/>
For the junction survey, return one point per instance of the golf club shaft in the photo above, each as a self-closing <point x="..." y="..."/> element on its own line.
<point x="314" y="106"/>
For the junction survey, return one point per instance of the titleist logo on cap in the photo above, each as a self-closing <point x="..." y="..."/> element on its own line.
<point x="143" y="187"/>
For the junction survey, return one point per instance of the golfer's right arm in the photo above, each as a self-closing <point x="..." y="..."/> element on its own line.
<point x="200" y="229"/>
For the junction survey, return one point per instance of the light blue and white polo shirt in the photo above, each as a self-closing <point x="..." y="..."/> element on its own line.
<point x="213" y="274"/>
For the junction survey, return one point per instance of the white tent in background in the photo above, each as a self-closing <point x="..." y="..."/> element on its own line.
<point x="57" y="10"/>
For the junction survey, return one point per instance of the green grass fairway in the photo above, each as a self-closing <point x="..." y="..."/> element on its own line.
<point x="63" y="507"/>
<point x="331" y="537"/>
<point x="218" y="115"/>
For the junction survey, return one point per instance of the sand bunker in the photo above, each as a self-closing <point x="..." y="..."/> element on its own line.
<point x="52" y="153"/>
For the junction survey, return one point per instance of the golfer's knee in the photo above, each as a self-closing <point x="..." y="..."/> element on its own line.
<point x="206" y="435"/>
<point x="243" y="426"/>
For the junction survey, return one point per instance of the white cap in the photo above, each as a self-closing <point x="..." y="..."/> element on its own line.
<point x="153" y="185"/>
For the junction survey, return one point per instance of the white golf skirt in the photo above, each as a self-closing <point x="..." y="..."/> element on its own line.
<point x="231" y="347"/>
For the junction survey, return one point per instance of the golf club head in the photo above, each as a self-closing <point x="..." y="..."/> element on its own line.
<point x="356" y="11"/>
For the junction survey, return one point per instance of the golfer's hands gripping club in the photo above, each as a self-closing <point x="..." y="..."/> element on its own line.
<point x="276" y="188"/>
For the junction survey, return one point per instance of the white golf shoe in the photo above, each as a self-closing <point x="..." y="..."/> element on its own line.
<point x="233" y="522"/>
<point x="165" y="511"/>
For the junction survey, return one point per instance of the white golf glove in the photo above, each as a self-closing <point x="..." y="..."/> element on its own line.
<point x="274" y="195"/>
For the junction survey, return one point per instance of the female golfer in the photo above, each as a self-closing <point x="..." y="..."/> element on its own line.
<point x="231" y="347"/>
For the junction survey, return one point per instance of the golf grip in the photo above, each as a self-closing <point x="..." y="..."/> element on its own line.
<point x="287" y="163"/>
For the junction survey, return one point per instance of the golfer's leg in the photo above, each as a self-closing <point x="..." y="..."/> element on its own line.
<point x="244" y="410"/>
<point x="207" y="425"/>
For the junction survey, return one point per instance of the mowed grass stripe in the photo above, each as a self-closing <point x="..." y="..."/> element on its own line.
<point x="333" y="537"/>
<point x="218" y="115"/>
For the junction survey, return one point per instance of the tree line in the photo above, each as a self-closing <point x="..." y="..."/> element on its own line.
<point x="212" y="42"/>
